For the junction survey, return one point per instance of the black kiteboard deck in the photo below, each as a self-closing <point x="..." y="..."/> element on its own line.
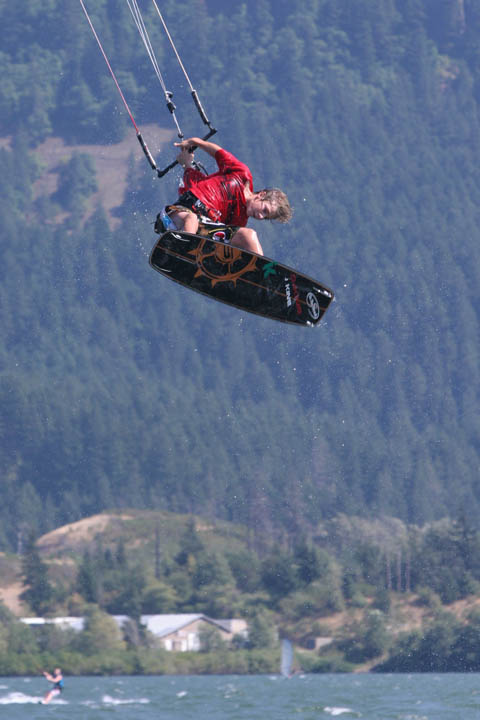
<point x="240" y="278"/>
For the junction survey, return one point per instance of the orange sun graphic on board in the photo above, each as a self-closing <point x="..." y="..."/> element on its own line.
<point x="221" y="263"/>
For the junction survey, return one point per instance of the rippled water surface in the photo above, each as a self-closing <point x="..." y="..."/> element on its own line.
<point x="302" y="697"/>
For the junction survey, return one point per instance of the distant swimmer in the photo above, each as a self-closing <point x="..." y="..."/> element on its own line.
<point x="57" y="680"/>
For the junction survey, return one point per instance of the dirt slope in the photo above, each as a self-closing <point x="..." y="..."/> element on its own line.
<point x="112" y="164"/>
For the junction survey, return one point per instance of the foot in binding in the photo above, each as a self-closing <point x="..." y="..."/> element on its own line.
<point x="163" y="223"/>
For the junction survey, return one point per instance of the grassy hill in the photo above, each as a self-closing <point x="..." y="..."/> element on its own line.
<point x="134" y="561"/>
<point x="143" y="534"/>
<point x="137" y="529"/>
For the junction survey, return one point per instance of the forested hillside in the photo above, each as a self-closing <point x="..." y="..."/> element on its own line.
<point x="358" y="594"/>
<point x="120" y="389"/>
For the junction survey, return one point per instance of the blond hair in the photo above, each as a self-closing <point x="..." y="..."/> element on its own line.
<point x="282" y="211"/>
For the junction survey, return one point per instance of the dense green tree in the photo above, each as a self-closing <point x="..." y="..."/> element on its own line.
<point x="261" y="633"/>
<point x="370" y="640"/>
<point x="3" y="639"/>
<point x="88" y="579"/>
<point x="159" y="597"/>
<point x="38" y="591"/>
<point x="101" y="632"/>
<point x="127" y="593"/>
<point x="278" y="575"/>
<point x="76" y="182"/>
<point x="441" y="563"/>
<point x="21" y="639"/>
<point x="190" y="545"/>
<point x="246" y="569"/>
<point x="311" y="562"/>
<point x="210" y="639"/>
<point x="429" y="651"/>
<point x="212" y="569"/>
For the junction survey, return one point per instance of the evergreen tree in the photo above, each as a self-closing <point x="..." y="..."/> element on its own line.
<point x="311" y="562"/>
<point x="88" y="580"/>
<point x="38" y="591"/>
<point x="100" y="633"/>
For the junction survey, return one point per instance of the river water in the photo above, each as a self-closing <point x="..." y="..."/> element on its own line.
<point x="263" y="697"/>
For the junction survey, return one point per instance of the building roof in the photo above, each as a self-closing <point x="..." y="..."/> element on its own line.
<point x="162" y="625"/>
<point x="75" y="623"/>
<point x="158" y="625"/>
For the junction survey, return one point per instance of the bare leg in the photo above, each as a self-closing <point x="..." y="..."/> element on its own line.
<point x="186" y="221"/>
<point x="247" y="239"/>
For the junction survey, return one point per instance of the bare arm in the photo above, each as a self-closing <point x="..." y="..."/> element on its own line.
<point x="209" y="147"/>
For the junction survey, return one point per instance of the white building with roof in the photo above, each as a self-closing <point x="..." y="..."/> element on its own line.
<point x="176" y="632"/>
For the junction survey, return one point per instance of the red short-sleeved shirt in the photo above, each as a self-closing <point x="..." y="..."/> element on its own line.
<point x="222" y="191"/>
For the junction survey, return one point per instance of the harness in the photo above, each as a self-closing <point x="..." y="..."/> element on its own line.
<point x="206" y="227"/>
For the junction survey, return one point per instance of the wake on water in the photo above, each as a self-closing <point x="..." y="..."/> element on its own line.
<point x="19" y="698"/>
<point x="107" y="700"/>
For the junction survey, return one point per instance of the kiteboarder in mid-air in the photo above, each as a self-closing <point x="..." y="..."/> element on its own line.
<point x="204" y="243"/>
<point x="225" y="197"/>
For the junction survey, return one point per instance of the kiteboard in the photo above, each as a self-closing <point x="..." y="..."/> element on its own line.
<point x="240" y="278"/>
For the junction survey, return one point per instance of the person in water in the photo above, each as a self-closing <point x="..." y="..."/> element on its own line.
<point x="226" y="197"/>
<point x="57" y="680"/>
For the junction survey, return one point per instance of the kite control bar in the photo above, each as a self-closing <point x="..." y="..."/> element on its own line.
<point x="152" y="162"/>
<point x="163" y="172"/>
<point x="135" y="10"/>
